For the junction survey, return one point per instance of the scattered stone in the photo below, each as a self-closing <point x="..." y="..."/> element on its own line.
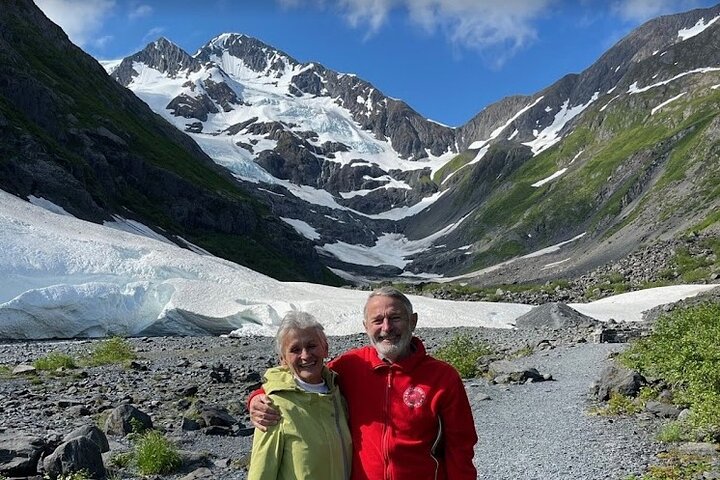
<point x="19" y="454"/>
<point x="91" y="432"/>
<point x="617" y="379"/>
<point x="23" y="369"/>
<point x="127" y="419"/>
<point x="74" y="455"/>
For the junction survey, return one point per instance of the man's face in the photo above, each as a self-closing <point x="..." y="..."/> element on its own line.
<point x="389" y="326"/>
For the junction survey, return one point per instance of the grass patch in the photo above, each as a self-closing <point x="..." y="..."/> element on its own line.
<point x="111" y="351"/>
<point x="154" y="454"/>
<point x="675" y="467"/>
<point x="454" y="165"/>
<point x="619" y="404"/>
<point x="684" y="351"/>
<point x="53" y="361"/>
<point x="462" y="352"/>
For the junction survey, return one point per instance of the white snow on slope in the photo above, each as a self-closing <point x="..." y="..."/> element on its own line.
<point x="389" y="249"/>
<point x="550" y="135"/>
<point x="696" y="29"/>
<point x="669" y="100"/>
<point x="63" y="277"/>
<point x="633" y="89"/>
<point x="545" y="180"/>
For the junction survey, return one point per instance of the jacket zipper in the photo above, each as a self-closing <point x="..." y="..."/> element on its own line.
<point x="385" y="446"/>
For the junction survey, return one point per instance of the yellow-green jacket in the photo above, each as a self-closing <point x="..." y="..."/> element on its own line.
<point x="312" y="441"/>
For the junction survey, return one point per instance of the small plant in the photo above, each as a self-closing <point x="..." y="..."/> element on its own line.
<point x="620" y="405"/>
<point x="111" y="351"/>
<point x="675" y="467"/>
<point x="53" y="361"/>
<point x="122" y="460"/>
<point x="672" y="432"/>
<point x="462" y="352"/>
<point x="155" y="454"/>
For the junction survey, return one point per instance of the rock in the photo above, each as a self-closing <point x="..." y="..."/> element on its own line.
<point x="23" y="369"/>
<point x="221" y="374"/>
<point x="203" y="472"/>
<point x="127" y="419"/>
<point x="19" y="454"/>
<point x="504" y="371"/>
<point x="617" y="379"/>
<point x="663" y="410"/>
<point x="74" y="455"/>
<point x="91" y="432"/>
<point x="217" y="416"/>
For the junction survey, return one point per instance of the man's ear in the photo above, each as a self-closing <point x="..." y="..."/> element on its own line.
<point x="413" y="321"/>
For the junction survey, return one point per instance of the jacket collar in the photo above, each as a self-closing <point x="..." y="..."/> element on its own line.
<point x="281" y="379"/>
<point x="406" y="363"/>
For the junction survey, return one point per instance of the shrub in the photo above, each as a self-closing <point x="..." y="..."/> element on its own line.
<point x="462" y="352"/>
<point x="53" y="361"/>
<point x="155" y="454"/>
<point x="112" y="350"/>
<point x="684" y="351"/>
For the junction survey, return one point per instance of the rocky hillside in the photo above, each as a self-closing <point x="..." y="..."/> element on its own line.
<point x="71" y="136"/>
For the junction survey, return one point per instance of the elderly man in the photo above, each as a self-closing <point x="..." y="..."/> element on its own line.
<point x="409" y="414"/>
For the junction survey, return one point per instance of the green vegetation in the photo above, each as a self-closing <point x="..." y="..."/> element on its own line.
<point x="110" y="351"/>
<point x="53" y="361"/>
<point x="462" y="352"/>
<point x="454" y="165"/>
<point x="684" y="351"/>
<point x="154" y="454"/>
<point x="619" y="405"/>
<point x="676" y="467"/>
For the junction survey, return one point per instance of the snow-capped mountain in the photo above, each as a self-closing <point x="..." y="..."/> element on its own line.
<point x="382" y="191"/>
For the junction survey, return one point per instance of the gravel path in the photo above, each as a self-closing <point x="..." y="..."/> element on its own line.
<point x="543" y="430"/>
<point x="533" y="431"/>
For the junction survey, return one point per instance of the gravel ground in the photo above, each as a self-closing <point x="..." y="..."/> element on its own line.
<point x="543" y="430"/>
<point x="532" y="431"/>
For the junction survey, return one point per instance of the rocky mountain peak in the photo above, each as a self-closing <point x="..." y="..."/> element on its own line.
<point x="162" y="55"/>
<point x="256" y="55"/>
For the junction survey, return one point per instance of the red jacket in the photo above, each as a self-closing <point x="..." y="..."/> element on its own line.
<point x="409" y="420"/>
<point x="401" y="413"/>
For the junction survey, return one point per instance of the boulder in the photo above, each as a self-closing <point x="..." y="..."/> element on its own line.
<point x="73" y="456"/>
<point x="19" y="454"/>
<point x="618" y="379"/>
<point x="91" y="432"/>
<point x="127" y="419"/>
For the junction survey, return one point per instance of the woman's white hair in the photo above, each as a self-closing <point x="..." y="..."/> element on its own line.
<point x="297" y="320"/>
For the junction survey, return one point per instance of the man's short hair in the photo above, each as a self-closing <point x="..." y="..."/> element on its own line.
<point x="391" y="292"/>
<point x="296" y="320"/>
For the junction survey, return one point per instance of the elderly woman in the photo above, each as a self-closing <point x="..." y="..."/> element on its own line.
<point x="312" y="440"/>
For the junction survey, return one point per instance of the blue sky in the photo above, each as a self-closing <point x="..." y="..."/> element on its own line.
<point x="447" y="59"/>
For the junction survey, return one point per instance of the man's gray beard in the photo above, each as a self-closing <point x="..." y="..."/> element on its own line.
<point x="392" y="351"/>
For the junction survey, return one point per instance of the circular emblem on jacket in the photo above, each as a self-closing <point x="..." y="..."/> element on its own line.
<point x="414" y="397"/>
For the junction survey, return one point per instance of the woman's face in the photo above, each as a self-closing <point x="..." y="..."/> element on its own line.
<point x="304" y="352"/>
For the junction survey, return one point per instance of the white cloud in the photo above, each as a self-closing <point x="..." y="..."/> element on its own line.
<point x="140" y="11"/>
<point x="483" y="25"/>
<point x="80" y="19"/>
<point x="152" y="34"/>
<point x="642" y="10"/>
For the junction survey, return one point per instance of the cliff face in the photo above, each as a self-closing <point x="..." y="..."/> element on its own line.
<point x="74" y="136"/>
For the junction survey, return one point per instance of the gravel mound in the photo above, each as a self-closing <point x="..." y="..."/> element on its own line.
<point x="554" y="315"/>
